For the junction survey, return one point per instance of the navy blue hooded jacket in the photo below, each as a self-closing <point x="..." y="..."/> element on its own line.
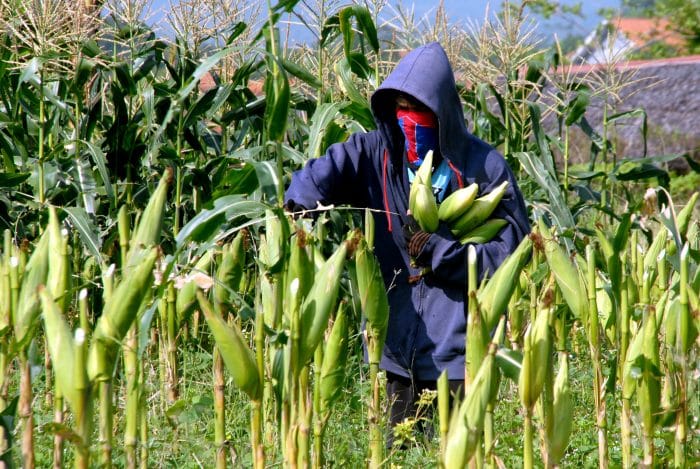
<point x="427" y="319"/>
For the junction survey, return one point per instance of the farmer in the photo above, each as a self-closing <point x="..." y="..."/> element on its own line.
<point x="416" y="109"/>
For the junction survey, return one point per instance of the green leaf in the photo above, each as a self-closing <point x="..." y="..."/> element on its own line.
<point x="207" y="223"/>
<point x="509" y="362"/>
<point x="13" y="180"/>
<point x="320" y="121"/>
<point x="301" y="73"/>
<point x="87" y="231"/>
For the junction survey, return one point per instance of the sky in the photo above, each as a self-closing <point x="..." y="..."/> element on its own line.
<point x="467" y="11"/>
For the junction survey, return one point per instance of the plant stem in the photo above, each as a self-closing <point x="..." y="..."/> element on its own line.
<point x="527" y="443"/>
<point x="132" y="398"/>
<point x="257" y="424"/>
<point x="58" y="438"/>
<point x="376" y="440"/>
<point x="219" y="410"/>
<point x="143" y="463"/>
<point x="105" y="425"/>
<point x="171" y="340"/>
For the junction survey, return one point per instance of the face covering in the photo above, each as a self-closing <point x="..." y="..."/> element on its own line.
<point x="420" y="129"/>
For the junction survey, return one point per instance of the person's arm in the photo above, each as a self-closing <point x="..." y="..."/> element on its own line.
<point x="447" y="257"/>
<point x="332" y="178"/>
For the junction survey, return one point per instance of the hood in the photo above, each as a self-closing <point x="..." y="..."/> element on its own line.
<point x="424" y="73"/>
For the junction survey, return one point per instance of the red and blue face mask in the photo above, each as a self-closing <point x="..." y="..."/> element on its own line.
<point x="420" y="129"/>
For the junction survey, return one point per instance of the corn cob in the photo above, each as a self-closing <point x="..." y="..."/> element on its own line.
<point x="60" y="344"/>
<point x="494" y="296"/>
<point x="563" y="412"/>
<point x="118" y="315"/>
<point x="425" y="209"/>
<point x="468" y="423"/>
<point x="186" y="299"/>
<point x="148" y="230"/>
<point x="569" y="278"/>
<point x="58" y="278"/>
<point x="273" y="245"/>
<point x="238" y="357"/>
<point x="230" y="271"/>
<point x="300" y="267"/>
<point x="480" y="211"/>
<point x="484" y="232"/>
<point x="536" y="355"/>
<point x="457" y="203"/>
<point x="375" y="305"/>
<point x="334" y="359"/>
<point x="34" y="275"/>
<point x="686" y="213"/>
<point x="320" y="302"/>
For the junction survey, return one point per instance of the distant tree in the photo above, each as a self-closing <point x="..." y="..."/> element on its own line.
<point x="683" y="16"/>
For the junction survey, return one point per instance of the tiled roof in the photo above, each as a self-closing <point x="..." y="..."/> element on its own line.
<point x="642" y="31"/>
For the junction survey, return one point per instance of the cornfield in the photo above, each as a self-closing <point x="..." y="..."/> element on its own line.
<point x="159" y="307"/>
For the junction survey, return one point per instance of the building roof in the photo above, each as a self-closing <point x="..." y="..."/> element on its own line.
<point x="642" y="31"/>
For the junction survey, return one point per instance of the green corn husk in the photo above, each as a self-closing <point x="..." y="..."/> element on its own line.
<point x="569" y="278"/>
<point x="649" y="383"/>
<point x="300" y="267"/>
<point x="457" y="203"/>
<point x="686" y="214"/>
<point x="61" y="347"/>
<point x="494" y="296"/>
<point x="374" y="301"/>
<point x="230" y="271"/>
<point x="334" y="360"/>
<point x="423" y="178"/>
<point x="467" y="425"/>
<point x="320" y="302"/>
<point x="118" y="315"/>
<point x="186" y="299"/>
<point x="484" y="232"/>
<point x="238" y="357"/>
<point x="563" y="412"/>
<point x="479" y="212"/>
<point x="273" y="247"/>
<point x="35" y="274"/>
<point x="650" y="258"/>
<point x="536" y="354"/>
<point x="150" y="224"/>
<point x="58" y="279"/>
<point x="369" y="228"/>
<point x="424" y="209"/>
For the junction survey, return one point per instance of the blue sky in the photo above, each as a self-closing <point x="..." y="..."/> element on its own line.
<point x="463" y="11"/>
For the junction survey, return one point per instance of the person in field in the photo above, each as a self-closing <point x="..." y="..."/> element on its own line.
<point x="417" y="108"/>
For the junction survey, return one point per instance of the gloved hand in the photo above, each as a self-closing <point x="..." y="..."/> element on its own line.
<point x="294" y="208"/>
<point x="414" y="236"/>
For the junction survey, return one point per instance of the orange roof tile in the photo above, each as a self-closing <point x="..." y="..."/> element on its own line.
<point x="641" y="31"/>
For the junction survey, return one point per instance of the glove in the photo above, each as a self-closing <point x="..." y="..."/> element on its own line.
<point x="294" y="208"/>
<point x="415" y="237"/>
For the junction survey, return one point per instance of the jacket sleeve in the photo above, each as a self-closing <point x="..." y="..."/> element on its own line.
<point x="332" y="178"/>
<point x="447" y="257"/>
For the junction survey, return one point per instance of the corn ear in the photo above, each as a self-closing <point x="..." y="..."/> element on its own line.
<point x="119" y="313"/>
<point x="649" y="383"/>
<point x="425" y="209"/>
<point x="238" y="357"/>
<point x="467" y="425"/>
<point x="58" y="278"/>
<point x="35" y="274"/>
<point x="686" y="214"/>
<point x="274" y="243"/>
<point x="457" y="203"/>
<point x="300" y="267"/>
<point x="423" y="177"/>
<point x="150" y="223"/>
<point x="320" y="302"/>
<point x="230" y="271"/>
<point x="369" y="228"/>
<point x="479" y="212"/>
<point x="484" y="232"/>
<point x="186" y="299"/>
<point x="567" y="274"/>
<point x="334" y="360"/>
<point x="536" y="356"/>
<point x="61" y="348"/>
<point x="494" y="296"/>
<point x="373" y="299"/>
<point x="563" y="412"/>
